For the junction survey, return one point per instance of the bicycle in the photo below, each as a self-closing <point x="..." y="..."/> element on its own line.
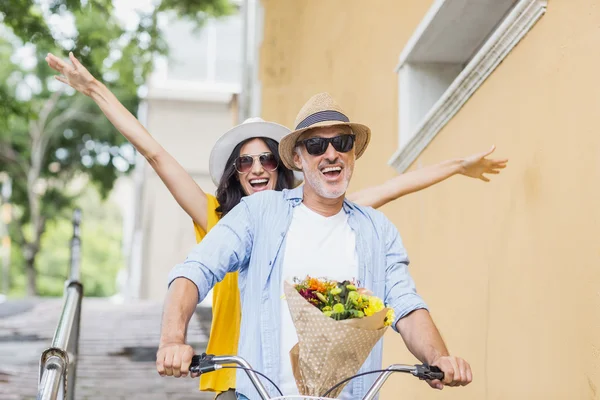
<point x="206" y="363"/>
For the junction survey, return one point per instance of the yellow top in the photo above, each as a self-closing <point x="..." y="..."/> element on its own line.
<point x="227" y="315"/>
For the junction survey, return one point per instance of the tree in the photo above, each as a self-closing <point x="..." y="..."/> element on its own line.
<point x="101" y="257"/>
<point x="48" y="136"/>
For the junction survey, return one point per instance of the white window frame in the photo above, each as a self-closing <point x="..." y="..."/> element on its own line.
<point x="511" y="29"/>
<point x="161" y="87"/>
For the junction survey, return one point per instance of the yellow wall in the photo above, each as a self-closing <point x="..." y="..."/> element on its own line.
<point x="510" y="268"/>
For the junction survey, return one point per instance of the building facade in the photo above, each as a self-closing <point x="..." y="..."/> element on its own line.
<point x="509" y="268"/>
<point x="192" y="99"/>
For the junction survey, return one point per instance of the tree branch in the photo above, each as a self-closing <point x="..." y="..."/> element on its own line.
<point x="68" y="114"/>
<point x="47" y="109"/>
<point x="8" y="154"/>
<point x="51" y="130"/>
<point x="37" y="128"/>
<point x="18" y="229"/>
<point x="39" y="231"/>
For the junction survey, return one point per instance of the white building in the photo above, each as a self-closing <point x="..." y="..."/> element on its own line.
<point x="192" y="99"/>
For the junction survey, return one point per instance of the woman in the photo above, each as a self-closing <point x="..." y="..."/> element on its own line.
<point x="244" y="160"/>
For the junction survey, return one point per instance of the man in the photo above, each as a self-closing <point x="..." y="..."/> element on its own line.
<point x="272" y="236"/>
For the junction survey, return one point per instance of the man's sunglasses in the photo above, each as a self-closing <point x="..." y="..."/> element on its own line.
<point x="317" y="145"/>
<point x="243" y="164"/>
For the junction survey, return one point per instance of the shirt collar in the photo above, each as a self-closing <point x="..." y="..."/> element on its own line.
<point x="295" y="196"/>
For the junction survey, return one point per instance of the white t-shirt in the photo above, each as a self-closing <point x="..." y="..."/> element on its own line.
<point x="322" y="247"/>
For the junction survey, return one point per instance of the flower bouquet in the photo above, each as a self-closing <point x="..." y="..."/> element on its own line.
<point x="337" y="325"/>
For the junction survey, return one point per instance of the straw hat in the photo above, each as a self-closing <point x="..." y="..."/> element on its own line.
<point x="250" y="128"/>
<point x="319" y="111"/>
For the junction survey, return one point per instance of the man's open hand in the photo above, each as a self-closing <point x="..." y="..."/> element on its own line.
<point x="457" y="372"/>
<point x="174" y="359"/>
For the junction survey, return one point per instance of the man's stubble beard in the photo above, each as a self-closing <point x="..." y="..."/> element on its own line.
<point x="319" y="185"/>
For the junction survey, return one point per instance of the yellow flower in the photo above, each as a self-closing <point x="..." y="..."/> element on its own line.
<point x="390" y="317"/>
<point x="375" y="305"/>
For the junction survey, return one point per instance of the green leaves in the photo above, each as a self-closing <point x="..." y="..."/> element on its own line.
<point x="121" y="57"/>
<point x="66" y="135"/>
<point x="197" y="10"/>
<point x="337" y="300"/>
<point x="26" y="20"/>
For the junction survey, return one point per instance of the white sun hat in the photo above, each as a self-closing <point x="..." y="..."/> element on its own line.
<point x="251" y="128"/>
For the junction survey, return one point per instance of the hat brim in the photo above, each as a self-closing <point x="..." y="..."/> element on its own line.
<point x="288" y="142"/>
<point x="223" y="148"/>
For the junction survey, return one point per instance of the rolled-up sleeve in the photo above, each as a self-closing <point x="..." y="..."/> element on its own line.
<point x="226" y="248"/>
<point x="400" y="290"/>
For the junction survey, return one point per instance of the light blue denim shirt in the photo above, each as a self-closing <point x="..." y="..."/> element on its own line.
<point x="251" y="239"/>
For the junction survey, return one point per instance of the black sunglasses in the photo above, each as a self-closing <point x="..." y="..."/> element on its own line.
<point x="317" y="145"/>
<point x="243" y="164"/>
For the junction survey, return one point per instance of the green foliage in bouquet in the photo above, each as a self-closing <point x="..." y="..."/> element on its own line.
<point x="340" y="300"/>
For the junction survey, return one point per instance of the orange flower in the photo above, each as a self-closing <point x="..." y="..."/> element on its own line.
<point x="316" y="285"/>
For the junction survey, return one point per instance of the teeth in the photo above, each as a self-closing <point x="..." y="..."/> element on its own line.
<point x="329" y="169"/>
<point x="253" y="181"/>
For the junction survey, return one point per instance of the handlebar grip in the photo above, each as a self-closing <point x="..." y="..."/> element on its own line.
<point x="202" y="364"/>
<point x="429" y="373"/>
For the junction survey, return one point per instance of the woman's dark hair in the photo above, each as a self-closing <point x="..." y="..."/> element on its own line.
<point x="230" y="192"/>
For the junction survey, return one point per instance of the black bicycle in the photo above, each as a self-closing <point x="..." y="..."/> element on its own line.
<point x="206" y="363"/>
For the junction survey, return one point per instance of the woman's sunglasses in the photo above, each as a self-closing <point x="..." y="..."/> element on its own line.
<point x="243" y="164"/>
<point x="317" y="145"/>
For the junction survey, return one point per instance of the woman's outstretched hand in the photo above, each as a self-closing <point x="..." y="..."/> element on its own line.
<point x="476" y="165"/>
<point x="74" y="74"/>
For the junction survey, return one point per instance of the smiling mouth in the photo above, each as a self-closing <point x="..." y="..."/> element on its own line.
<point x="331" y="172"/>
<point x="258" y="184"/>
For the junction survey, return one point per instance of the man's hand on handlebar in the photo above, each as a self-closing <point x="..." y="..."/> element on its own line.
<point x="174" y="359"/>
<point x="457" y="372"/>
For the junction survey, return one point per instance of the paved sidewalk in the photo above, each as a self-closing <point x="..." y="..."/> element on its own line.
<point x="116" y="351"/>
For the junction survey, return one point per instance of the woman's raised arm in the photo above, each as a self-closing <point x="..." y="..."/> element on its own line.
<point x="184" y="189"/>
<point x="474" y="166"/>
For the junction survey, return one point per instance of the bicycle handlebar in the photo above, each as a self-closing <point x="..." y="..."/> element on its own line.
<point x="429" y="372"/>
<point x="205" y="363"/>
